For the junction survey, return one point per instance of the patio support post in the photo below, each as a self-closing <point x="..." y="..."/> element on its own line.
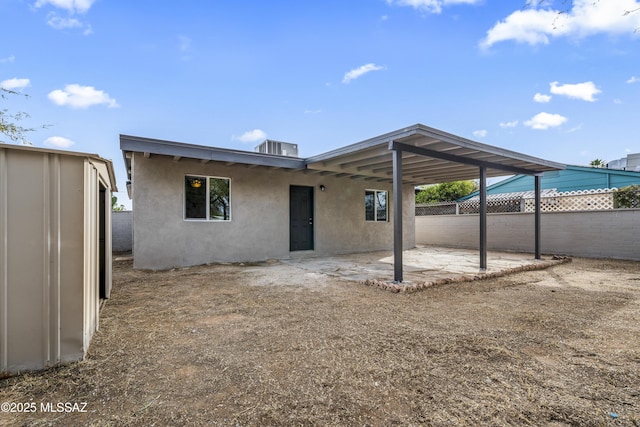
<point x="537" y="216"/>
<point x="483" y="218"/>
<point x="397" y="215"/>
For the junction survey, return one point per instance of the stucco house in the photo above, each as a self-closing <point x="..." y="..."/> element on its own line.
<point x="195" y="204"/>
<point x="55" y="253"/>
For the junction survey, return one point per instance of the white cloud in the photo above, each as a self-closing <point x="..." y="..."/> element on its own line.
<point x="617" y="101"/>
<point x="59" y="23"/>
<point x="313" y="111"/>
<point x="251" y="136"/>
<point x="584" y="91"/>
<point x="431" y="6"/>
<point x="506" y="125"/>
<point x="15" y="84"/>
<point x="633" y="79"/>
<point x="77" y="96"/>
<point x="575" y="128"/>
<point x="360" y="71"/>
<point x="541" y="98"/>
<point x="526" y="26"/>
<point x="543" y="121"/>
<point x="58" y="141"/>
<point x="480" y="133"/>
<point x="9" y="59"/>
<point x="584" y="18"/>
<point x="72" y="6"/>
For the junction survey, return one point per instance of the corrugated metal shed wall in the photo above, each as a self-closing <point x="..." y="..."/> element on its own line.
<point x="49" y="280"/>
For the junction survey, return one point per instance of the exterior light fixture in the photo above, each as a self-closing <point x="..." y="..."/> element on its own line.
<point x="322" y="187"/>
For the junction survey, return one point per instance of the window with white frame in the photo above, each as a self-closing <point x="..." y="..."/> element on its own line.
<point x="207" y="198"/>
<point x="375" y="205"/>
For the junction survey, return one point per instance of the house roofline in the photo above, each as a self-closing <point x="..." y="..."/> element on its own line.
<point x="370" y="158"/>
<point x="150" y="146"/>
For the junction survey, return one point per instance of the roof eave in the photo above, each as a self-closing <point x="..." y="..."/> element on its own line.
<point x="136" y="144"/>
<point x="468" y="143"/>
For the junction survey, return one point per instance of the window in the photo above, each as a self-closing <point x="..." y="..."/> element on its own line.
<point x="375" y="205"/>
<point x="207" y="198"/>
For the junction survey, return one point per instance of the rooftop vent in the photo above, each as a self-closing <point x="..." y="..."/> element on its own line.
<point x="278" y="148"/>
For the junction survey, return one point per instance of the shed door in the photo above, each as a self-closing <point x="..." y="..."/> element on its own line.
<point x="301" y="218"/>
<point x="105" y="285"/>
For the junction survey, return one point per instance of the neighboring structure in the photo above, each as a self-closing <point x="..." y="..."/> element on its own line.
<point x="573" y="178"/>
<point x="194" y="204"/>
<point x="55" y="253"/>
<point x="524" y="201"/>
<point x="629" y="163"/>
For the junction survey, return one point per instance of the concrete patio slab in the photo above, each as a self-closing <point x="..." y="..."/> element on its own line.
<point x="423" y="266"/>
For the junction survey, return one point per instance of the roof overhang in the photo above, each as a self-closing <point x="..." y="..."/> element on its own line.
<point x="179" y="150"/>
<point x="428" y="156"/>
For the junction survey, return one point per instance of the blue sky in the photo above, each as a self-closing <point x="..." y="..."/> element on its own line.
<point x="323" y="74"/>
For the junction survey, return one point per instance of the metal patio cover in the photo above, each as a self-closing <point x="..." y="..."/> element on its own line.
<point x="423" y="155"/>
<point x="428" y="156"/>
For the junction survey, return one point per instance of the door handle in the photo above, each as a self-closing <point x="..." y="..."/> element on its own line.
<point x="310" y="221"/>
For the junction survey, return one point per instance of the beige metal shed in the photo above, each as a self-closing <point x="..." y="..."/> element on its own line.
<point x="55" y="253"/>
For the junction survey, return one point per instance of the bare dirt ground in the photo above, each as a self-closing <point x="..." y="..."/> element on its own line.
<point x="271" y="344"/>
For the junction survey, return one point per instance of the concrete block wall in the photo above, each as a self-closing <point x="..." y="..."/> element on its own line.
<point x="591" y="234"/>
<point x="122" y="231"/>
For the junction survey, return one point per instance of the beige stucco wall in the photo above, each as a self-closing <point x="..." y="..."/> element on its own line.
<point x="259" y="226"/>
<point x="48" y="285"/>
<point x="596" y="234"/>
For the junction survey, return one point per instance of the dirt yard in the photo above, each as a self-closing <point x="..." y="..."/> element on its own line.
<point x="270" y="344"/>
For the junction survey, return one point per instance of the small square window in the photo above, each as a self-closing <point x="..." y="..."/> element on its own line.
<point x="207" y="198"/>
<point x="375" y="205"/>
